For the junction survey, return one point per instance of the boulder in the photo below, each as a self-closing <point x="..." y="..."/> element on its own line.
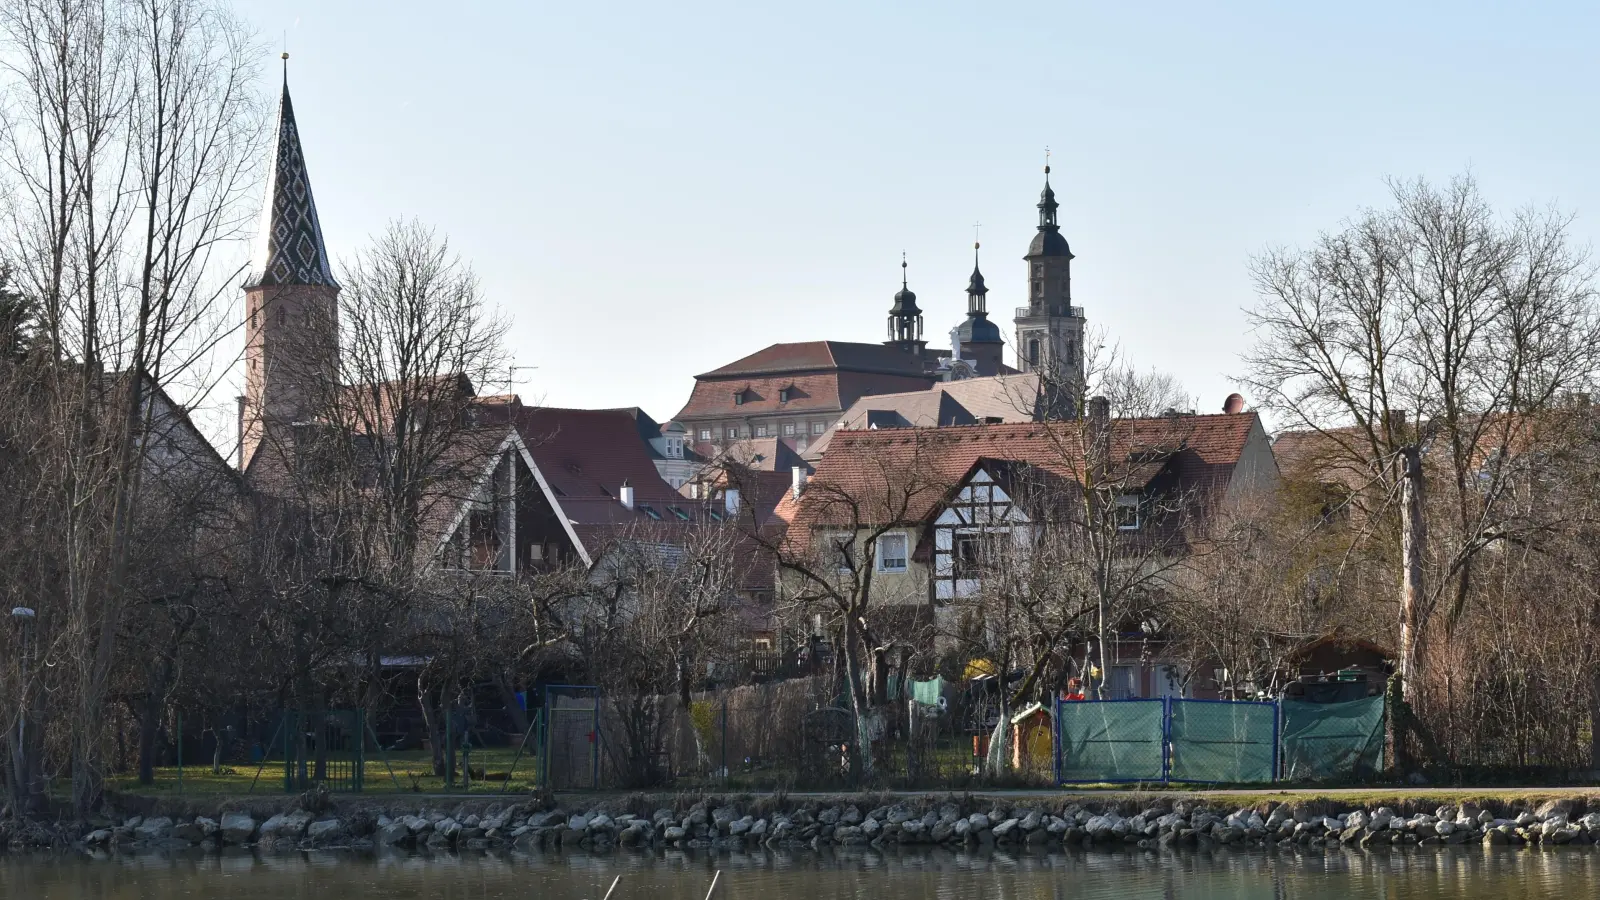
<point x="237" y="828"/>
<point x="188" y="832"/>
<point x="97" y="837"/>
<point x="393" y="834"/>
<point x="289" y="825"/>
<point x="158" y="829"/>
<point x="978" y="821"/>
<point x="1549" y="809"/>
<point x="673" y="834"/>
<point x="741" y="826"/>
<point x="1004" y="829"/>
<point x="324" y="830"/>
<point x="578" y="822"/>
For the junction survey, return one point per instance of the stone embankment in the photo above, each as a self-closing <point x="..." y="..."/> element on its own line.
<point x="715" y="824"/>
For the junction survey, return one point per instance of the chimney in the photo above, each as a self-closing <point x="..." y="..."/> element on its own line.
<point x="1234" y="404"/>
<point x="1099" y="410"/>
<point x="730" y="499"/>
<point x="625" y="494"/>
<point x="799" y="480"/>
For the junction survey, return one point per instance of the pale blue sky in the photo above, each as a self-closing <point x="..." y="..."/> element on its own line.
<point x="654" y="189"/>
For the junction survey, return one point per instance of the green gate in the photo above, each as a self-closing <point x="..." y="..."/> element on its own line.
<point x="324" y="748"/>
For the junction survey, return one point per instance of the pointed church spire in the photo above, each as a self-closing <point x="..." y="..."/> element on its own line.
<point x="976" y="289"/>
<point x="289" y="248"/>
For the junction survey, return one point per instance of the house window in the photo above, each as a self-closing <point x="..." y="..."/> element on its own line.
<point x="1127" y="512"/>
<point x="966" y="555"/>
<point x="1033" y="352"/>
<point x="784" y="394"/>
<point x="788" y="429"/>
<point x="676" y="511"/>
<point x="761" y="431"/>
<point x="892" y="552"/>
<point x="843" y="547"/>
<point x="650" y="511"/>
<point x="819" y="427"/>
<point x="738" y="398"/>
<point x="1120" y="683"/>
<point x="705" y="434"/>
<point x="733" y="432"/>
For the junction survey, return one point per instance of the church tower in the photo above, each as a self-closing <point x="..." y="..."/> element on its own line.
<point x="905" y="319"/>
<point x="291" y="301"/>
<point x="1050" y="328"/>
<point x="978" y="338"/>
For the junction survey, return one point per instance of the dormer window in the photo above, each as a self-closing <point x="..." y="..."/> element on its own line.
<point x="738" y="397"/>
<point x="784" y="394"/>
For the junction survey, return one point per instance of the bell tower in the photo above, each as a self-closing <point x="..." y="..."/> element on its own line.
<point x="291" y="301"/>
<point x="905" y="319"/>
<point x="1050" y="329"/>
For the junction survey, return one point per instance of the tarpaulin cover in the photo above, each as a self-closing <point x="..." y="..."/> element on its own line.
<point x="1113" y="740"/>
<point x="1222" y="742"/>
<point x="1332" y="740"/>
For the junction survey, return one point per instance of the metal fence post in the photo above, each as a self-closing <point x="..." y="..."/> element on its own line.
<point x="1055" y="734"/>
<point x="1166" y="740"/>
<point x="361" y="749"/>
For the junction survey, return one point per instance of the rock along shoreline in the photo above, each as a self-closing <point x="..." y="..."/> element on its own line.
<point x="711" y="823"/>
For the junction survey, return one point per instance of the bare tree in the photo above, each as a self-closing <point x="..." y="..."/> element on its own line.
<point x="1419" y="343"/>
<point x="127" y="151"/>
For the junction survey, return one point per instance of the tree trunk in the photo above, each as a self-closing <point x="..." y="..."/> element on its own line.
<point x="1413" y="544"/>
<point x="519" y="716"/>
<point x="431" y="724"/>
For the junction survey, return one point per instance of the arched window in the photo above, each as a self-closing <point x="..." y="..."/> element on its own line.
<point x="1033" y="352"/>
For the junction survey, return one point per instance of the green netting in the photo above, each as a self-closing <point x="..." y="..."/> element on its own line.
<point x="1222" y="742"/>
<point x="1112" y="740"/>
<point x="1332" y="740"/>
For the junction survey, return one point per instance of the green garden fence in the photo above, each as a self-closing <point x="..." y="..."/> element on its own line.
<point x="1217" y="741"/>
<point x="1332" y="740"/>
<point x="1111" y="741"/>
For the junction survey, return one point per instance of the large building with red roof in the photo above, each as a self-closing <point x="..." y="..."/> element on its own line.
<point x="796" y="392"/>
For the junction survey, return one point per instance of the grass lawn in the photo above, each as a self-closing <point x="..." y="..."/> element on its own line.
<point x="413" y="773"/>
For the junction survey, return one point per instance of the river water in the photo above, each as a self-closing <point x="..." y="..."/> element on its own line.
<point x="1454" y="872"/>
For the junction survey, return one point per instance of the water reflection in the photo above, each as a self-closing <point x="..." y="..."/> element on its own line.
<point x="1456" y="872"/>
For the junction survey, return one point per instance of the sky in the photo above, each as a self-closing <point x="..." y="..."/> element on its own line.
<point x="650" y="190"/>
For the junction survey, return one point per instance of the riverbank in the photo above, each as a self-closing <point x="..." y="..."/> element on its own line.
<point x="316" y="820"/>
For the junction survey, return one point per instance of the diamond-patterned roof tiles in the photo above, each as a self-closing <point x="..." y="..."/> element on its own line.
<point x="289" y="248"/>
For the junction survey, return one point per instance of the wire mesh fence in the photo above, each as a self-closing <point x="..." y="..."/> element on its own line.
<point x="1327" y="740"/>
<point x="1217" y="741"/>
<point x="1220" y="741"/>
<point x="1112" y="741"/>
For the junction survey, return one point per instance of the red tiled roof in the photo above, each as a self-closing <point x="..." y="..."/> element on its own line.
<point x="587" y="454"/>
<point x="828" y="392"/>
<point x="905" y="472"/>
<point x="822" y="355"/>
